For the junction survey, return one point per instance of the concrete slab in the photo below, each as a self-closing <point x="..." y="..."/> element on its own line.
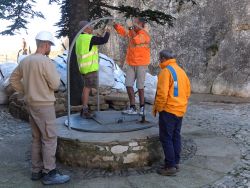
<point x="217" y="164"/>
<point x="190" y="176"/>
<point x="217" y="147"/>
<point x="154" y="180"/>
<point x="189" y="129"/>
<point x="196" y="132"/>
<point x="105" y="123"/>
<point x="65" y="133"/>
<point x="105" y="183"/>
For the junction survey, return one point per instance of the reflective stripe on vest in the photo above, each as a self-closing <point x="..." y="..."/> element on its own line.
<point x="86" y="64"/>
<point x="139" y="45"/>
<point x="87" y="60"/>
<point x="174" y="75"/>
<point x="86" y="55"/>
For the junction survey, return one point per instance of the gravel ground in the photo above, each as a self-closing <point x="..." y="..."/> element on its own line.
<point x="228" y="119"/>
<point x="232" y="121"/>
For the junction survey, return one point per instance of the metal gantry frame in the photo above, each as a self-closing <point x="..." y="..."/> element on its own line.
<point x="69" y="56"/>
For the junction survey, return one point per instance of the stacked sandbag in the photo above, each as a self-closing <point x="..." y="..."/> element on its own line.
<point x="17" y="106"/>
<point x="5" y="90"/>
<point x="109" y="99"/>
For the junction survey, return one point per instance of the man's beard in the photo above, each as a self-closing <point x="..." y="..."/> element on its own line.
<point x="48" y="52"/>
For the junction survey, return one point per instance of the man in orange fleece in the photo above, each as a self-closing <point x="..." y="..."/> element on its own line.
<point x="138" y="59"/>
<point x="171" y="100"/>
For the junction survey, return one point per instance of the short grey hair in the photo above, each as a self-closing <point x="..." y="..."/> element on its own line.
<point x="41" y="42"/>
<point x="82" y="24"/>
<point x="166" y="54"/>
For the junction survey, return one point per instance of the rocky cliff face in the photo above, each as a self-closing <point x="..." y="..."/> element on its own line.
<point x="211" y="40"/>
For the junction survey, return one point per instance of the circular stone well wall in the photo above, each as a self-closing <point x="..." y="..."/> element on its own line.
<point x="112" y="151"/>
<point x="113" y="155"/>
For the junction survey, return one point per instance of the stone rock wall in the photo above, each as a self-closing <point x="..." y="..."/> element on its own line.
<point x="211" y="40"/>
<point x="115" y="155"/>
<point x="108" y="99"/>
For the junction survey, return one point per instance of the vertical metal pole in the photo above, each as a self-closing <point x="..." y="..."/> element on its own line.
<point x="98" y="91"/>
<point x="68" y="87"/>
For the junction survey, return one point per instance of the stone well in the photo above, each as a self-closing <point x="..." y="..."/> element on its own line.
<point x="110" y="141"/>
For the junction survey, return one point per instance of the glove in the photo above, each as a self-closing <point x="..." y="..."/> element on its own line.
<point x="154" y="111"/>
<point x="131" y="28"/>
<point x="129" y="23"/>
<point x="107" y="29"/>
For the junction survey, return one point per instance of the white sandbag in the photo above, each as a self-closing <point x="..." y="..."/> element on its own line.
<point x="6" y="82"/>
<point x="61" y="66"/>
<point x="3" y="96"/>
<point x="119" y="77"/>
<point x="106" y="71"/>
<point x="20" y="58"/>
<point x="6" y="69"/>
<point x="150" y="88"/>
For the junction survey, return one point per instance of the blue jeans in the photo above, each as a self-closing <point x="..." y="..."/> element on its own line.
<point x="170" y="128"/>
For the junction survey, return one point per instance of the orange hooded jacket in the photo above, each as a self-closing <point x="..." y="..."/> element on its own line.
<point x="138" y="52"/>
<point x="165" y="99"/>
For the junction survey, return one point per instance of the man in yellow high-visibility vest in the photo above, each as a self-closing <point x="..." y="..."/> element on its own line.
<point x="87" y="59"/>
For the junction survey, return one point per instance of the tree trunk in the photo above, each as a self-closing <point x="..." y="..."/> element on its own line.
<point x="79" y="10"/>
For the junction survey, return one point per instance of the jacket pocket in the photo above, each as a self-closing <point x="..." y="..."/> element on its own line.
<point x="50" y="128"/>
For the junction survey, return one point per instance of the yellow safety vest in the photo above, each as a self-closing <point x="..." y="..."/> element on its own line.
<point x="87" y="60"/>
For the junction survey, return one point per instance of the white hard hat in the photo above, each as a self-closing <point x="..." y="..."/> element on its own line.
<point x="45" y="36"/>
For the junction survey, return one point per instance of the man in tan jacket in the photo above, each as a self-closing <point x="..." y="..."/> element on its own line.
<point x="36" y="77"/>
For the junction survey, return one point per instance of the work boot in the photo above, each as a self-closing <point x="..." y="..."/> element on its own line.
<point x="36" y="176"/>
<point x="177" y="166"/>
<point x="130" y="111"/>
<point x="171" y="171"/>
<point x="86" y="114"/>
<point x="142" y="111"/>
<point x="55" y="177"/>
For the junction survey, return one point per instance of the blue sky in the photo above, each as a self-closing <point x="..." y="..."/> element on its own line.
<point x="10" y="44"/>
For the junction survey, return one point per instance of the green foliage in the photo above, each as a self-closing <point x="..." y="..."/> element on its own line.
<point x="63" y="23"/>
<point x="17" y="11"/>
<point x="97" y="11"/>
<point x="150" y="15"/>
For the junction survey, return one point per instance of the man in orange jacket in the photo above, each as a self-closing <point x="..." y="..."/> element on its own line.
<point x="138" y="59"/>
<point x="171" y="100"/>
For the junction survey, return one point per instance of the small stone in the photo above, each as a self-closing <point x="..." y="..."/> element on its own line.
<point x="101" y="148"/>
<point x="102" y="107"/>
<point x="133" y="144"/>
<point x="93" y="100"/>
<point x="93" y="92"/>
<point x="60" y="108"/>
<point x="96" y="159"/>
<point x="108" y="158"/>
<point x="76" y="108"/>
<point x="137" y="148"/>
<point x="118" y="107"/>
<point x="119" y="149"/>
<point x="117" y="97"/>
<point x="119" y="103"/>
<point x="130" y="158"/>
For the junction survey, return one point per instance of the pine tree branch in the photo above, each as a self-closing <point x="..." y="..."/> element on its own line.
<point x="17" y="11"/>
<point x="150" y="15"/>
